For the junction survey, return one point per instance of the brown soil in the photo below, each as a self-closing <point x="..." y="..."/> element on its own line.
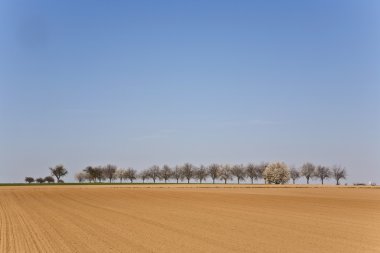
<point x="189" y="219"/>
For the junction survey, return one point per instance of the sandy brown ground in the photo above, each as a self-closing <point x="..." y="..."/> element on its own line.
<point x="189" y="219"/>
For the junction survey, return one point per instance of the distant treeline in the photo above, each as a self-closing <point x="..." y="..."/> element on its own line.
<point x="58" y="172"/>
<point x="271" y="173"/>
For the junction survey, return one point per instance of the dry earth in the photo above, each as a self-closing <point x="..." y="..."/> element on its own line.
<point x="189" y="219"/>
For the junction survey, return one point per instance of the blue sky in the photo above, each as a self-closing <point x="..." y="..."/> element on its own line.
<point x="136" y="83"/>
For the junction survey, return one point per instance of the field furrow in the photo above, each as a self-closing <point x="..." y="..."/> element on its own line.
<point x="188" y="219"/>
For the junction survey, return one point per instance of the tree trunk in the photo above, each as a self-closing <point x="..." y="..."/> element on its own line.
<point x="213" y="180"/>
<point x="188" y="180"/>
<point x="337" y="182"/>
<point x="307" y="179"/>
<point x="225" y="181"/>
<point x="177" y="180"/>
<point x="154" y="180"/>
<point x="238" y="181"/>
<point x="294" y="181"/>
<point x="252" y="180"/>
<point x="322" y="180"/>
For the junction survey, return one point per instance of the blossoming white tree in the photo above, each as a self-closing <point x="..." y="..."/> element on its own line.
<point x="277" y="173"/>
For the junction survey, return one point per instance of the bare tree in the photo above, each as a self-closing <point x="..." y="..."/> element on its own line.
<point x="50" y="179"/>
<point x="120" y="174"/>
<point x="90" y="173"/>
<point x="338" y="173"/>
<point x="130" y="174"/>
<point x="144" y="175"/>
<point x="29" y="180"/>
<point x="166" y="173"/>
<point x="109" y="171"/>
<point x="294" y="174"/>
<point x="322" y="173"/>
<point x="260" y="170"/>
<point x="188" y="171"/>
<point x="58" y="171"/>
<point x="98" y="170"/>
<point x="154" y="173"/>
<point x="88" y="178"/>
<point x="238" y="172"/>
<point x="251" y="172"/>
<point x="213" y="171"/>
<point x="80" y="177"/>
<point x="307" y="171"/>
<point x="40" y="180"/>
<point x="225" y="173"/>
<point x="200" y="173"/>
<point x="177" y="173"/>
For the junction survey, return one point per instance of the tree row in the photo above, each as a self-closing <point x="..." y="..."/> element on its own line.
<point x="271" y="173"/>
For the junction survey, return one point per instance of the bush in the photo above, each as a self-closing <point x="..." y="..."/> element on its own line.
<point x="277" y="173"/>
<point x="40" y="180"/>
<point x="49" y="179"/>
<point x="29" y="180"/>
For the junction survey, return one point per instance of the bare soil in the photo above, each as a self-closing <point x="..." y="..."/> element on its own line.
<point x="189" y="219"/>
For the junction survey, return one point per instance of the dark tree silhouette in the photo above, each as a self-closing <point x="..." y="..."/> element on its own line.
<point x="308" y="171"/>
<point x="58" y="172"/>
<point x="50" y="179"/>
<point x="338" y="173"/>
<point x="144" y="175"/>
<point x="188" y="171"/>
<point x="166" y="173"/>
<point x="294" y="174"/>
<point x="238" y="172"/>
<point x="322" y="173"/>
<point x="251" y="172"/>
<point x="225" y="173"/>
<point x="121" y="174"/>
<point x="29" y="180"/>
<point x="177" y="173"/>
<point x="154" y="173"/>
<point x="260" y="170"/>
<point x="80" y="177"/>
<point x="213" y="171"/>
<point x="40" y="180"/>
<point x="200" y="173"/>
<point x="98" y="170"/>
<point x="130" y="174"/>
<point x="109" y="171"/>
<point x="91" y="173"/>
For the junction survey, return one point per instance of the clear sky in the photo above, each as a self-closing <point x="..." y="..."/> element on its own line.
<point x="137" y="83"/>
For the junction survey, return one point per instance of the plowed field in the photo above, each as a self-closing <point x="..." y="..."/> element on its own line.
<point x="189" y="219"/>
